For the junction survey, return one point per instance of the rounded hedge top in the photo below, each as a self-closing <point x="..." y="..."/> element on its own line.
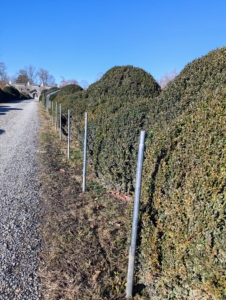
<point x="69" y="89"/>
<point x="121" y="81"/>
<point x="207" y="72"/>
<point x="12" y="91"/>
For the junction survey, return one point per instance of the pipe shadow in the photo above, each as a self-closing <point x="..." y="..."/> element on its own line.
<point x="4" y="109"/>
<point x="16" y="101"/>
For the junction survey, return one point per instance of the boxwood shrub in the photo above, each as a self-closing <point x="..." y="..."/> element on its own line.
<point x="181" y="246"/>
<point x="183" y="236"/>
<point x="11" y="93"/>
<point x="117" y="105"/>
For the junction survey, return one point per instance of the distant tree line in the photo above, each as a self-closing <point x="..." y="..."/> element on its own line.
<point x="27" y="74"/>
<point x="43" y="77"/>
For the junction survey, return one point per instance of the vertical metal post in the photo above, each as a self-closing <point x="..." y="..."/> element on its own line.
<point x="69" y="134"/>
<point x="132" y="250"/>
<point x="60" y="123"/>
<point x="84" y="154"/>
<point x="47" y="103"/>
<point x="52" y="111"/>
<point x="56" y="117"/>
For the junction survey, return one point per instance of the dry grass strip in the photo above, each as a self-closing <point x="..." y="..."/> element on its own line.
<point x="85" y="247"/>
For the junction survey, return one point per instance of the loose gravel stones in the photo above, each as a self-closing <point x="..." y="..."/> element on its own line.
<point x="19" y="200"/>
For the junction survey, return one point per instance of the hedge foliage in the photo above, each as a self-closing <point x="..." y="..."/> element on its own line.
<point x="44" y="94"/>
<point x="126" y="82"/>
<point x="182" y="250"/>
<point x="9" y="93"/>
<point x="116" y="105"/>
<point x="68" y="90"/>
<point x="181" y="245"/>
<point x="207" y="72"/>
<point x="3" y="97"/>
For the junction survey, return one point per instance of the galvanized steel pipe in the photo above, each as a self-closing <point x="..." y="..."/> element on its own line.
<point x="60" y="123"/>
<point x="56" y="116"/>
<point x="69" y="134"/>
<point x="132" y="250"/>
<point x="84" y="154"/>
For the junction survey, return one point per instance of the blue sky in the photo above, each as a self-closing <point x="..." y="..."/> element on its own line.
<point x="78" y="39"/>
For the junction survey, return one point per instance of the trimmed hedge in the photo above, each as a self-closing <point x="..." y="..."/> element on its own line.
<point x="9" y="93"/>
<point x="45" y="93"/>
<point x="181" y="251"/>
<point x="68" y="90"/>
<point x="113" y="136"/>
<point x="182" y="243"/>
<point x="117" y="106"/>
<point x="125" y="81"/>
<point x="183" y="204"/>
<point x="3" y="97"/>
<point x="207" y="72"/>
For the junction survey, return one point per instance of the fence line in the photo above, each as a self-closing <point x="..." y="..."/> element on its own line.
<point x="132" y="250"/>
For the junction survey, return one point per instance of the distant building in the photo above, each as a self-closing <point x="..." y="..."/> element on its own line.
<point x="31" y="89"/>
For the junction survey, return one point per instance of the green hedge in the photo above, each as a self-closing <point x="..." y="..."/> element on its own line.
<point x="182" y="248"/>
<point x="125" y="81"/>
<point x="9" y="93"/>
<point x="182" y="227"/>
<point x="188" y="87"/>
<point x="182" y="241"/>
<point x="3" y="97"/>
<point x="45" y="93"/>
<point x="67" y="90"/>
<point x="116" y="105"/>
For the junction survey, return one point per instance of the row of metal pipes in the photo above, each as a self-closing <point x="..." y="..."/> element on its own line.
<point x="132" y="250"/>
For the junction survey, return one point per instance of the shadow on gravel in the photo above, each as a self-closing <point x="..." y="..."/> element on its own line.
<point x="4" y="109"/>
<point x="2" y="131"/>
<point x="17" y="101"/>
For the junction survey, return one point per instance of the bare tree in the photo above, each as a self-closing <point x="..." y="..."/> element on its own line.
<point x="31" y="73"/>
<point x="28" y="74"/>
<point x="3" y="74"/>
<point x="84" y="84"/>
<point x="45" y="78"/>
<point x="68" y="81"/>
<point x="22" y="77"/>
<point x="99" y="75"/>
<point x="166" y="78"/>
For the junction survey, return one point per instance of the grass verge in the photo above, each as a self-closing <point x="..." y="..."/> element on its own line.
<point x="85" y="247"/>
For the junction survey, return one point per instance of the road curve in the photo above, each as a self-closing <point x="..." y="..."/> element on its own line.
<point x="19" y="200"/>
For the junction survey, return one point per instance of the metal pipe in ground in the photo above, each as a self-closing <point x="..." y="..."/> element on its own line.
<point x="132" y="250"/>
<point x="56" y="117"/>
<point x="84" y="154"/>
<point x="47" y="102"/>
<point x="69" y="134"/>
<point x="60" y="131"/>
<point x="52" y="111"/>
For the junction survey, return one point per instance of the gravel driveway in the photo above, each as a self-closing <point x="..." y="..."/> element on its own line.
<point x="19" y="200"/>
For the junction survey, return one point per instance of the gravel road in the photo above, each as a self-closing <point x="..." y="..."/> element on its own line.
<point x="19" y="200"/>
